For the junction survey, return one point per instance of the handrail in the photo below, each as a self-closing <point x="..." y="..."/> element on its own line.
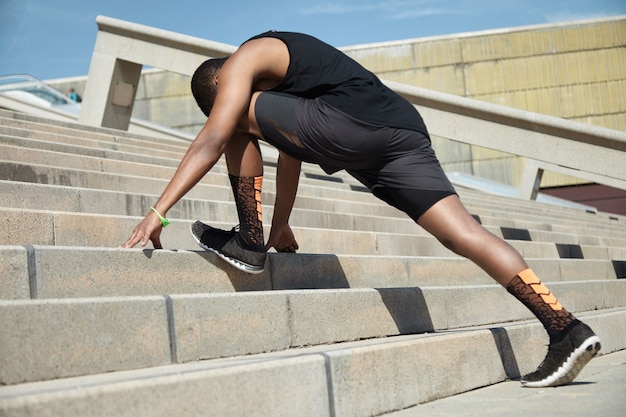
<point x="586" y="151"/>
<point x="581" y="132"/>
<point x="121" y="50"/>
<point x="163" y="37"/>
<point x="590" y="152"/>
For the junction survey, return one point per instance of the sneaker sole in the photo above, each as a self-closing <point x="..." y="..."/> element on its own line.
<point x="242" y="266"/>
<point x="570" y="369"/>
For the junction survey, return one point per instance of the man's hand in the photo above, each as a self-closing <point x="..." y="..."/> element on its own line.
<point x="149" y="229"/>
<point x="287" y="177"/>
<point x="282" y="239"/>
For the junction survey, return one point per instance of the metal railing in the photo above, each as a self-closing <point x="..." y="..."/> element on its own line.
<point x="584" y="151"/>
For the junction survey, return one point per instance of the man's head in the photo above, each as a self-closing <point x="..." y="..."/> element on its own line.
<point x="204" y="83"/>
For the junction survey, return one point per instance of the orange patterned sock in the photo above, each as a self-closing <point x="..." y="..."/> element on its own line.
<point x="529" y="289"/>
<point x="247" y="191"/>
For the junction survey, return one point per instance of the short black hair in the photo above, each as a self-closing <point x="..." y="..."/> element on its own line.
<point x="203" y="88"/>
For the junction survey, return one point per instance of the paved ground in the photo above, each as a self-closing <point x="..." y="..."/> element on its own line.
<point x="599" y="391"/>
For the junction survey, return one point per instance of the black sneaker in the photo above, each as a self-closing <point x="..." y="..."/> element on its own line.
<point x="565" y="358"/>
<point x="228" y="246"/>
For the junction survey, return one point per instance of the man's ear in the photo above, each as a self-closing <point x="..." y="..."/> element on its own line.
<point x="216" y="78"/>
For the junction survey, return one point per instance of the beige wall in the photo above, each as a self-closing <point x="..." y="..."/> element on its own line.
<point x="575" y="71"/>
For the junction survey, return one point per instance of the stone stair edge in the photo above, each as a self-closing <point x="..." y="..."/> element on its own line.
<point x="187" y="327"/>
<point x="601" y="225"/>
<point x="490" y="196"/>
<point x="78" y="127"/>
<point x="304" y="200"/>
<point x="41" y="132"/>
<point x="12" y="134"/>
<point x="308" y="168"/>
<point x="40" y="172"/>
<point x="44" y="272"/>
<point x="480" y="210"/>
<point x="512" y="202"/>
<point x="102" y="209"/>
<point x="97" y="230"/>
<point x="307" y="177"/>
<point x="420" y="364"/>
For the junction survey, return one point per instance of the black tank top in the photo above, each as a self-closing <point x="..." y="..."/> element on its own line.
<point x="317" y="69"/>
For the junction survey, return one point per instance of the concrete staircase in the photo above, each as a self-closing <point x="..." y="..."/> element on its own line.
<point x="373" y="315"/>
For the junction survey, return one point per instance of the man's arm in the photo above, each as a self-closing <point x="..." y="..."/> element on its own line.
<point x="198" y="160"/>
<point x="258" y="61"/>
<point x="287" y="178"/>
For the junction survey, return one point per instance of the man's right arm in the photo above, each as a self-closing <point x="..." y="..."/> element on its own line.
<point x="198" y="160"/>
<point x="257" y="60"/>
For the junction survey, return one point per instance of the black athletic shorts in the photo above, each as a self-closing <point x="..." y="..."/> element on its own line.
<point x="398" y="165"/>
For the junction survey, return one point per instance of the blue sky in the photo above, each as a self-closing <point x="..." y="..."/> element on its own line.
<point x="54" y="38"/>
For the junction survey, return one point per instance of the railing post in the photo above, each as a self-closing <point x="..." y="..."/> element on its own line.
<point x="530" y="181"/>
<point x="110" y="90"/>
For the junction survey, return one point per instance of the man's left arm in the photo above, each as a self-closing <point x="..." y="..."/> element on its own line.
<point x="287" y="178"/>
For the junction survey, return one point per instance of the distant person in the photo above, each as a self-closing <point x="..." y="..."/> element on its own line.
<point x="315" y="104"/>
<point x="73" y="95"/>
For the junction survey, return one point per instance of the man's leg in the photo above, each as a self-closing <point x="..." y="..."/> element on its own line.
<point x="245" y="171"/>
<point x="572" y="344"/>
<point x="243" y="248"/>
<point x="456" y="229"/>
<point x="452" y="225"/>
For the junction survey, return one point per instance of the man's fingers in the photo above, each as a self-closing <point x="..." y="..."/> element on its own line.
<point x="289" y="247"/>
<point x="136" y="237"/>
<point x="132" y="241"/>
<point x="142" y="234"/>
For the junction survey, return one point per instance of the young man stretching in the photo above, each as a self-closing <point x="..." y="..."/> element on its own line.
<point x="315" y="104"/>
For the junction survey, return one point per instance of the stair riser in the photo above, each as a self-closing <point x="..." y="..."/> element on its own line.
<point x="64" y="272"/>
<point x="349" y="380"/>
<point x="61" y="338"/>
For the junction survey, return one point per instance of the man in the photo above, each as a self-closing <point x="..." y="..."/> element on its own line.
<point x="73" y="95"/>
<point x="315" y="104"/>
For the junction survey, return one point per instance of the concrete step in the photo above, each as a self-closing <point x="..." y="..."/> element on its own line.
<point x="127" y="145"/>
<point x="90" y="201"/>
<point x="74" y="272"/>
<point x="341" y="380"/>
<point x="33" y="172"/>
<point x="115" y="203"/>
<point x="600" y="221"/>
<point x="341" y="177"/>
<point x="139" y="164"/>
<point x="599" y="393"/>
<point x="13" y="130"/>
<point x="216" y="186"/>
<point x="76" y="131"/>
<point x="124" y="333"/>
<point x="34" y="227"/>
<point x="38" y="123"/>
<point x="34" y="167"/>
<point x="139" y="185"/>
<point x="42" y="129"/>
<point x="94" y="164"/>
<point x="87" y="151"/>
